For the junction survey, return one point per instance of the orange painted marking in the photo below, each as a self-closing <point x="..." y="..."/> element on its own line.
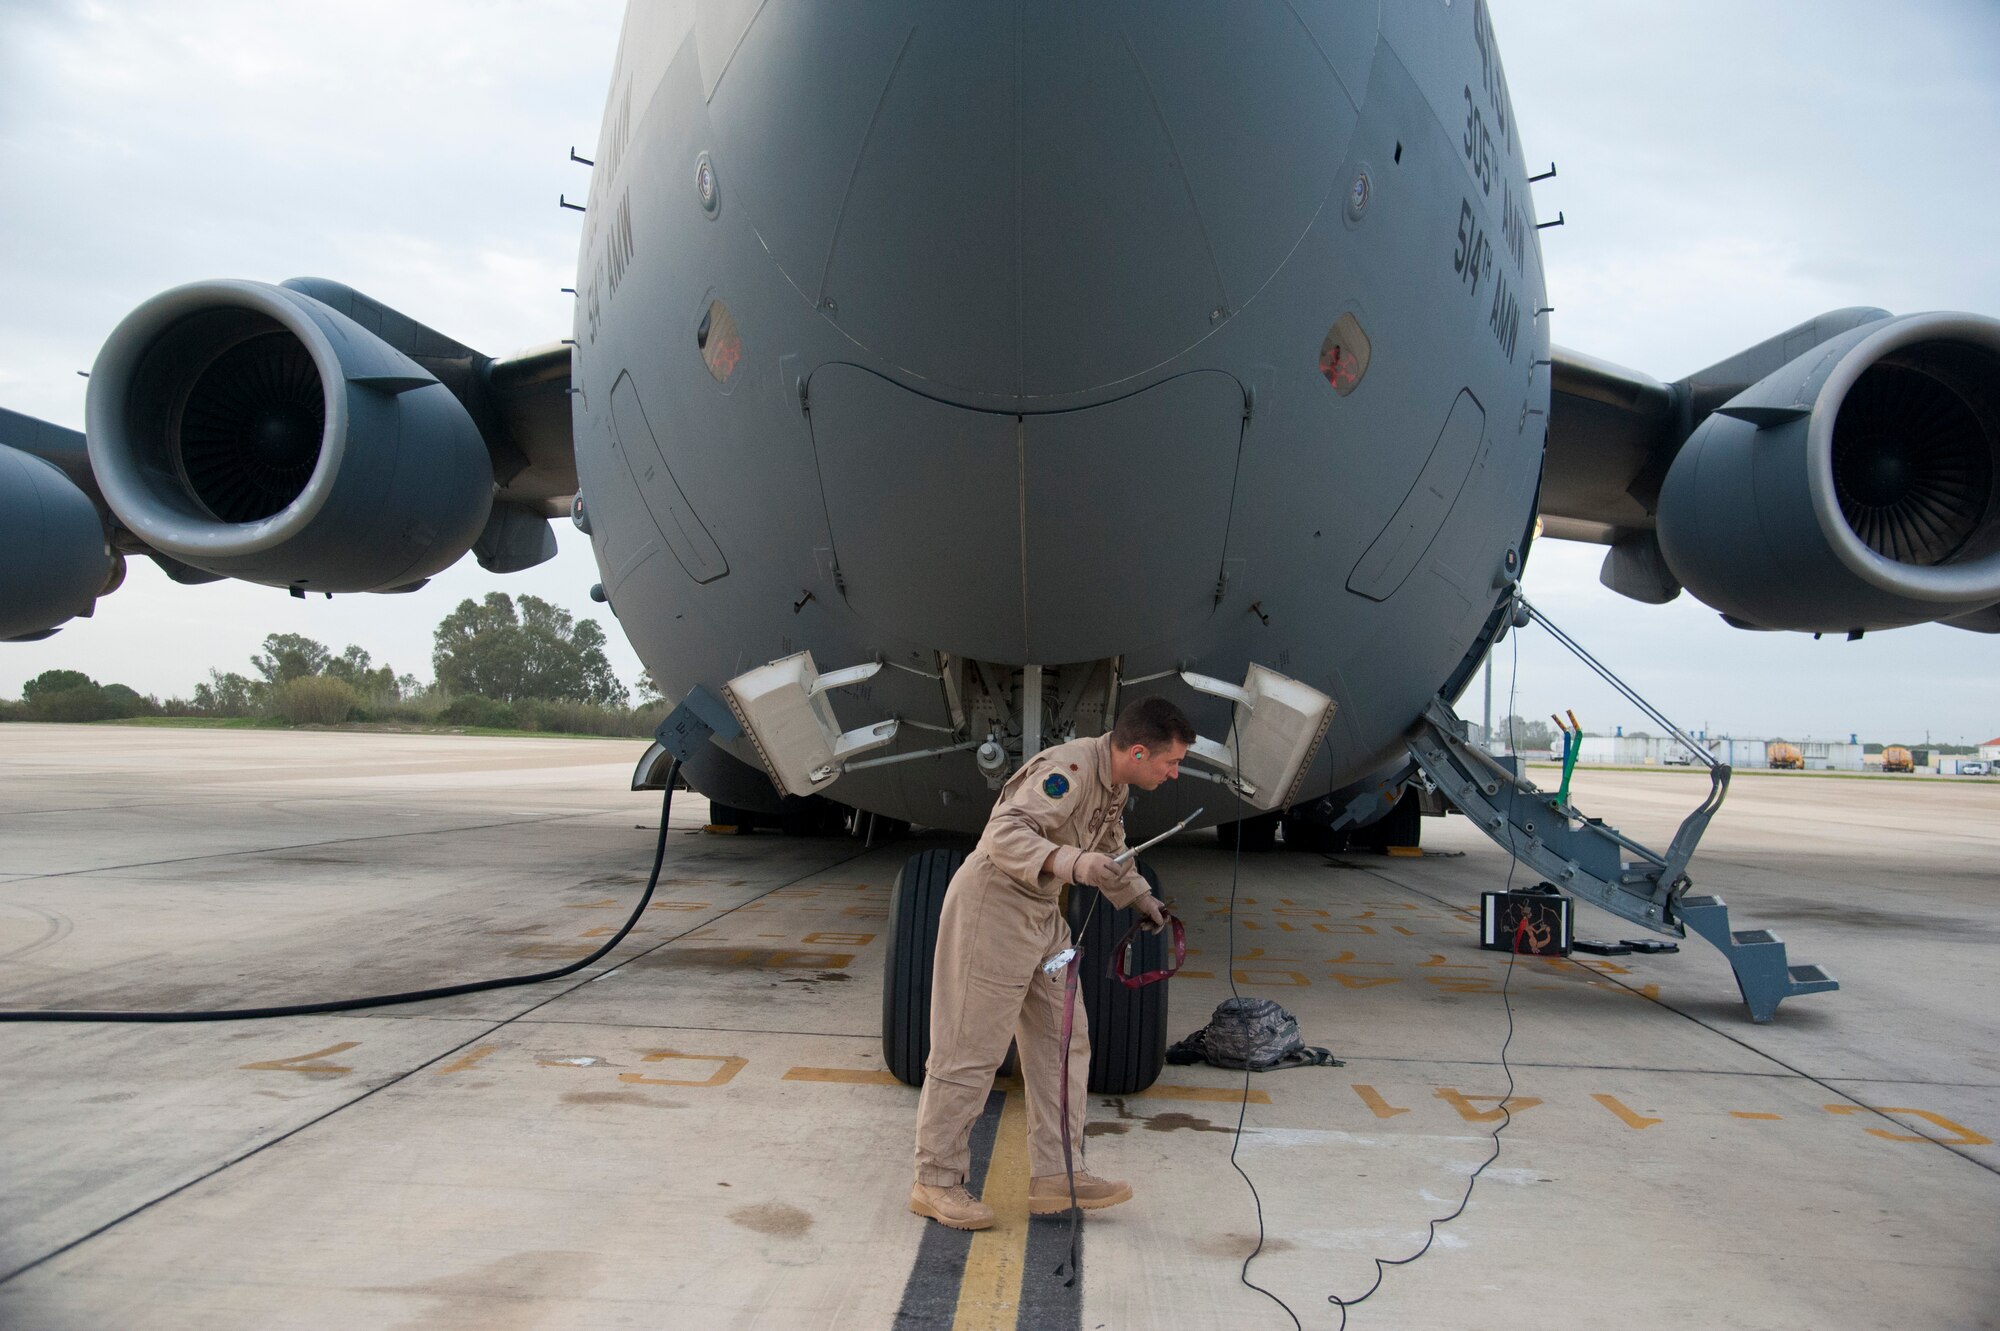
<point x="844" y="1076"/>
<point x="1226" y="1095"/>
<point x="1629" y="1117"/>
<point x="839" y="939"/>
<point x="1262" y="974"/>
<point x="1965" y="1136"/>
<point x="1377" y="1106"/>
<point x="1464" y="1104"/>
<point x="727" y="1066"/>
<point x="1765" y="1118"/>
<point x="1364" y="981"/>
<point x="552" y="951"/>
<point x="470" y="1061"/>
<point x="304" y="1063"/>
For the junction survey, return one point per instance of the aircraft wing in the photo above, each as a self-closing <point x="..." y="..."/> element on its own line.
<point x="1735" y="482"/>
<point x="520" y="402"/>
<point x="303" y="436"/>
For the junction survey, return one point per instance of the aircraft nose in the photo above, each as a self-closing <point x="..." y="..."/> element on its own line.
<point x="1031" y="199"/>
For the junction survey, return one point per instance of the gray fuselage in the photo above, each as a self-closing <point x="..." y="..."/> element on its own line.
<point x="1117" y="338"/>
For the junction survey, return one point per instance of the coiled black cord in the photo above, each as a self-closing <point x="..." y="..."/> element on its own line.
<point x="387" y="1000"/>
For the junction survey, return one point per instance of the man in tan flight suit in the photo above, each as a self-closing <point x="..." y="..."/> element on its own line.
<point x="1060" y="819"/>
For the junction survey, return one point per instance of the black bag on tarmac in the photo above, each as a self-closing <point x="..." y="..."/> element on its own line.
<point x="1252" y="1033"/>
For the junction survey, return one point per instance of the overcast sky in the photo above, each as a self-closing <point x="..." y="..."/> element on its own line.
<point x="1727" y="169"/>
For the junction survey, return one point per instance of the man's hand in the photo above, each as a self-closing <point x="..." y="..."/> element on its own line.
<point x="1098" y="870"/>
<point x="1154" y="914"/>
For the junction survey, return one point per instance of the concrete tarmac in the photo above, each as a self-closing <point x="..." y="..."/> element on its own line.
<point x="698" y="1131"/>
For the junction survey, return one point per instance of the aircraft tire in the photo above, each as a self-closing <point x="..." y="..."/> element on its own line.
<point x="1256" y="834"/>
<point x="1128" y="1027"/>
<point x="1307" y="837"/>
<point x="917" y="903"/>
<point x="728" y="815"/>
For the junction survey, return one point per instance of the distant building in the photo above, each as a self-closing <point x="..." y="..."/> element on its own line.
<point x="1990" y="751"/>
<point x="1821" y="755"/>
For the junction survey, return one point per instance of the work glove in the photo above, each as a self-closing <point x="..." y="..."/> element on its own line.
<point x="1098" y="870"/>
<point x="1152" y="911"/>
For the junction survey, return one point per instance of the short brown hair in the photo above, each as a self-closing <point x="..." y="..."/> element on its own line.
<point x="1153" y="720"/>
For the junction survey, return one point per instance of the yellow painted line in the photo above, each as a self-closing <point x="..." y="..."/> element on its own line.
<point x="1766" y="1118"/>
<point x="1407" y="852"/>
<point x="1376" y="1104"/>
<point x="304" y="1062"/>
<point x="1630" y="1117"/>
<point x="1226" y="1094"/>
<point x="469" y="1061"/>
<point x="844" y="1076"/>
<point x="989" y="1295"/>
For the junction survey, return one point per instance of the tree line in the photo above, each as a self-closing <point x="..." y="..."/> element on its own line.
<point x="497" y="663"/>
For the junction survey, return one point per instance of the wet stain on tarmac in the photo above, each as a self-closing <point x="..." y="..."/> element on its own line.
<point x="639" y="1098"/>
<point x="113" y="1098"/>
<point x="1238" y="1246"/>
<point x="1176" y="1122"/>
<point x="1868" y="917"/>
<point x="774" y="1218"/>
<point x="612" y="880"/>
<point x="520" y="1291"/>
<point x="719" y="958"/>
<point x="1170" y="1121"/>
<point x="827" y="977"/>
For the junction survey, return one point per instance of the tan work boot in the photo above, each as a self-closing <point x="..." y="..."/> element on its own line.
<point x="1048" y="1194"/>
<point x="952" y="1206"/>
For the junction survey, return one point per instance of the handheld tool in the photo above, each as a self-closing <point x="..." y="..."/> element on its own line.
<point x="1125" y="856"/>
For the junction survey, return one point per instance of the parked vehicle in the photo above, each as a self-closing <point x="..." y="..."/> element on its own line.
<point x="1785" y="756"/>
<point x="1974" y="769"/>
<point x="1896" y="758"/>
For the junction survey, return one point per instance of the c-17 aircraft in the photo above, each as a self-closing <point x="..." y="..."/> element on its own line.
<point x="939" y="378"/>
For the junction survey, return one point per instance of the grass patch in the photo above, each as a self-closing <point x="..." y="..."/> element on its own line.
<point x="198" y="722"/>
<point x="350" y="727"/>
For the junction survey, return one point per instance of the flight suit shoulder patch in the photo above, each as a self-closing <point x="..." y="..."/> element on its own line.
<point x="1055" y="785"/>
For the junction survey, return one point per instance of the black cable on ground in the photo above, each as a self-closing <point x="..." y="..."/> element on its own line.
<point x="387" y="1000"/>
<point x="1382" y="1264"/>
<point x="1243" y="1108"/>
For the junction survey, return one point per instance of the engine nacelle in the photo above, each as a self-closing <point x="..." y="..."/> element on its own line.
<point x="54" y="562"/>
<point x="253" y="432"/>
<point x="1858" y="487"/>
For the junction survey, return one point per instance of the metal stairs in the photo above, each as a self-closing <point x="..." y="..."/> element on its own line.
<point x="1589" y="859"/>
<point x="1756" y="955"/>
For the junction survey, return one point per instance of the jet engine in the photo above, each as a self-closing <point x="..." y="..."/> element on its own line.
<point x="254" y="432"/>
<point x="54" y="562"/>
<point x="1857" y="487"/>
